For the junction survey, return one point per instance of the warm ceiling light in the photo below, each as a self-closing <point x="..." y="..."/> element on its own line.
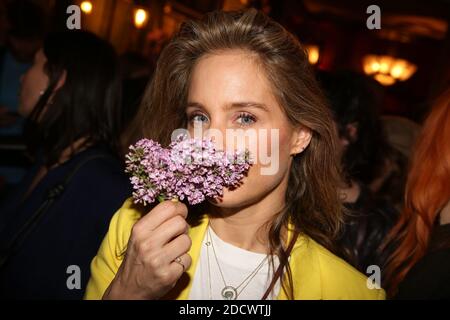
<point x="140" y="18"/>
<point x="384" y="79"/>
<point x="86" y="7"/>
<point x="313" y="53"/>
<point x="387" y="70"/>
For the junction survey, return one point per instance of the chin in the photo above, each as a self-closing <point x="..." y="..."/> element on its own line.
<point x="233" y="198"/>
<point x="253" y="188"/>
<point x="243" y="196"/>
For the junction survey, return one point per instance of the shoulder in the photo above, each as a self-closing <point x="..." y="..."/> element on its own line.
<point x="99" y="163"/>
<point x="99" y="184"/>
<point x="428" y="278"/>
<point x="328" y="276"/>
<point x="102" y="171"/>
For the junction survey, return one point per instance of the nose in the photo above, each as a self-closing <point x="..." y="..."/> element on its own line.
<point x="216" y="131"/>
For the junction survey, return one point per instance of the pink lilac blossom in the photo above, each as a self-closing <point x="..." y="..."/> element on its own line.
<point x="189" y="169"/>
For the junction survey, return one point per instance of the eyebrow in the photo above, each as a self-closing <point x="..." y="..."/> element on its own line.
<point x="248" y="104"/>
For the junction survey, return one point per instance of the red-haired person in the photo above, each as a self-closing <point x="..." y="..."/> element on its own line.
<point x="418" y="267"/>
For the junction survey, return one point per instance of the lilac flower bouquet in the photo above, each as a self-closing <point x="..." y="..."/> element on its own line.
<point x="189" y="169"/>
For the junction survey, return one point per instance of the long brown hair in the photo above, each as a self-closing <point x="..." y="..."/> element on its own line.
<point x="84" y="107"/>
<point x="427" y="192"/>
<point x="312" y="202"/>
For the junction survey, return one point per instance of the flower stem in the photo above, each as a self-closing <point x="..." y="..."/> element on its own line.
<point x="162" y="198"/>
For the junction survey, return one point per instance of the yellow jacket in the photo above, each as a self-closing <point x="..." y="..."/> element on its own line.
<point x="316" y="272"/>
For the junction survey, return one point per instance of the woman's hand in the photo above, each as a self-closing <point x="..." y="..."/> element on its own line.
<point x="157" y="239"/>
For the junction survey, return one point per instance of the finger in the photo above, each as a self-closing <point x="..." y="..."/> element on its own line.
<point x="177" y="247"/>
<point x="169" y="230"/>
<point x="179" y="266"/>
<point x="161" y="213"/>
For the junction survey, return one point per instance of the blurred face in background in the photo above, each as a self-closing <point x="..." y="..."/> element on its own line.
<point x="33" y="84"/>
<point x="22" y="49"/>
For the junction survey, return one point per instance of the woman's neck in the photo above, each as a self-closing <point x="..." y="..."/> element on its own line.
<point x="248" y="227"/>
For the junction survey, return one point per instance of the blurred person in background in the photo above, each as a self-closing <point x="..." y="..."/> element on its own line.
<point x="418" y="268"/>
<point x="24" y="22"/>
<point x="137" y="69"/>
<point x="401" y="134"/>
<point x="364" y="149"/>
<point x="136" y="72"/>
<point x="59" y="213"/>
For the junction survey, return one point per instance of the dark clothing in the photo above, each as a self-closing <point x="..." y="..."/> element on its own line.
<point x="365" y="228"/>
<point x="429" y="278"/>
<point x="68" y="234"/>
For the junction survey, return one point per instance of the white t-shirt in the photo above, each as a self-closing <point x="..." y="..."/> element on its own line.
<point x="236" y="265"/>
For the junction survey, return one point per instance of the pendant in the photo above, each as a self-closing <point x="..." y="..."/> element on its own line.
<point x="229" y="293"/>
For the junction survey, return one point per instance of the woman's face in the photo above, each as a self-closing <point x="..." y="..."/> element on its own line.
<point x="33" y="84"/>
<point x="229" y="91"/>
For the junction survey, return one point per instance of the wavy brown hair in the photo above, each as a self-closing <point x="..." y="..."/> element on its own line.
<point x="312" y="203"/>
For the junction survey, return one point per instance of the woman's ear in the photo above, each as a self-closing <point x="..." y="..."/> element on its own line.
<point x="300" y="140"/>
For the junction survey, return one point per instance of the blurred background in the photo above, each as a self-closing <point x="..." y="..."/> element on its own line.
<point x="408" y="58"/>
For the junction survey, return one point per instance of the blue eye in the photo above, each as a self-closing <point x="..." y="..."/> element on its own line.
<point x="198" y="117"/>
<point x="246" y="119"/>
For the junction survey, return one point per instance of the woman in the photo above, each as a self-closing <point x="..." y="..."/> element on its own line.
<point x="418" y="267"/>
<point x="231" y="71"/>
<point x="53" y="224"/>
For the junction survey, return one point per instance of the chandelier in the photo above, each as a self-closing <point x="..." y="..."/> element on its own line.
<point x="387" y="69"/>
